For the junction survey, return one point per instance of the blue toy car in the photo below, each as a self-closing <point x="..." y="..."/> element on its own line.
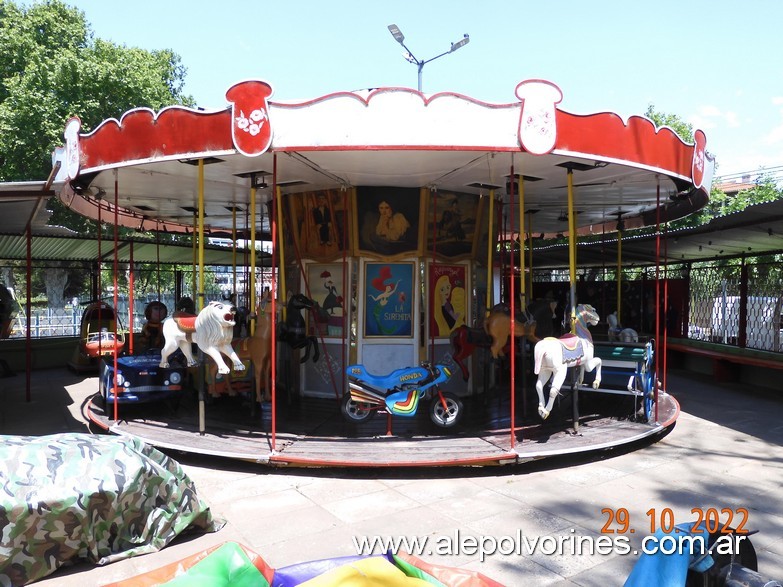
<point x="141" y="379"/>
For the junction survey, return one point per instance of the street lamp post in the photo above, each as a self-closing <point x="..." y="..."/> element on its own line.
<point x="400" y="38"/>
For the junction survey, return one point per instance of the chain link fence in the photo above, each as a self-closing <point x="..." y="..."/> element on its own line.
<point x="737" y="305"/>
<point x="732" y="302"/>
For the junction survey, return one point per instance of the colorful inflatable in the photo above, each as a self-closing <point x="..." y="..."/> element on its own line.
<point x="235" y="565"/>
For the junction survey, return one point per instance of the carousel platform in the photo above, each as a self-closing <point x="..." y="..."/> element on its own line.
<point x="311" y="432"/>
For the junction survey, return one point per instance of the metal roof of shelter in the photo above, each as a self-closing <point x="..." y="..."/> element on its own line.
<point x="756" y="230"/>
<point x="75" y="248"/>
<point x="23" y="203"/>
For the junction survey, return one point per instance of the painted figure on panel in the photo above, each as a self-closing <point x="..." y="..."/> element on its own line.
<point x="448" y="299"/>
<point x="392" y="225"/>
<point x="389" y="308"/>
<point x="388" y="220"/>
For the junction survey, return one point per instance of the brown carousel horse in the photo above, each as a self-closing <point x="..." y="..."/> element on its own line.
<point x="493" y="334"/>
<point x="258" y="348"/>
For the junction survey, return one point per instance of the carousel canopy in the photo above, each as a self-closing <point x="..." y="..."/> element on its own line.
<point x="386" y="137"/>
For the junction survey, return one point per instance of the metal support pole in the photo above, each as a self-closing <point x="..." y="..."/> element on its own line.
<point x="202" y="417"/>
<point x="490" y="243"/>
<point x="252" y="281"/>
<point x="572" y="247"/>
<point x="28" y="313"/>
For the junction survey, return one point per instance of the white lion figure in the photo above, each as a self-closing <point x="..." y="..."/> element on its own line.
<point x="212" y="331"/>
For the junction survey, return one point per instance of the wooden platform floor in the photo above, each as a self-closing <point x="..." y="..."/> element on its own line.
<point x="312" y="433"/>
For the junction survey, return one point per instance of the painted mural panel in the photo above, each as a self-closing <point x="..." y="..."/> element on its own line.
<point x="326" y="289"/>
<point x="448" y="299"/>
<point x="318" y="223"/>
<point x="452" y="219"/>
<point x="387" y="220"/>
<point x="388" y="299"/>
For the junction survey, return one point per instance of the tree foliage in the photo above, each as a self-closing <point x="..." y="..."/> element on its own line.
<point x="52" y="68"/>
<point x="720" y="203"/>
<point x="683" y="129"/>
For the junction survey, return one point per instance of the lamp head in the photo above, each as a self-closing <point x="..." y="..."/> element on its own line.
<point x="461" y="43"/>
<point x="396" y="33"/>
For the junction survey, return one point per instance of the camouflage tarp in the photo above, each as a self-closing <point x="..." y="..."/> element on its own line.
<point x="78" y="496"/>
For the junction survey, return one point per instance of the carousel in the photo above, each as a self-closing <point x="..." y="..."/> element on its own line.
<point x="401" y="327"/>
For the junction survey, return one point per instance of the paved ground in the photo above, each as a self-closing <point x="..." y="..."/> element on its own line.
<point x="724" y="452"/>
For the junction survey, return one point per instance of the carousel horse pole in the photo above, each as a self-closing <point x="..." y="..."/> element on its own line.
<point x="211" y="330"/>
<point x="553" y="357"/>
<point x="258" y="349"/>
<point x="493" y="334"/>
<point x="498" y="327"/>
<point x="464" y="341"/>
<point x="293" y="330"/>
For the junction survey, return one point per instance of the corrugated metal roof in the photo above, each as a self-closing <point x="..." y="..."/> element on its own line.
<point x="24" y="202"/>
<point x="73" y="248"/>
<point x="756" y="230"/>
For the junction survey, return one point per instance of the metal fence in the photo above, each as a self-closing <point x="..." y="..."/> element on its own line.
<point x="737" y="302"/>
<point x="737" y="305"/>
<point x="731" y="302"/>
<point x="151" y="286"/>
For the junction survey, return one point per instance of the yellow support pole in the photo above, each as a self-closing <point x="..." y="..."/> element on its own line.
<point x="252" y="252"/>
<point x="200" y="234"/>
<point x="193" y="282"/>
<point x="281" y="248"/>
<point x="234" y="249"/>
<point x="490" y="244"/>
<point x="522" y="277"/>
<point x="619" y="272"/>
<point x="572" y="247"/>
<point x="530" y="251"/>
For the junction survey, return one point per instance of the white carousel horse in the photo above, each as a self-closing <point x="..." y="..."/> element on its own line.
<point x="555" y="355"/>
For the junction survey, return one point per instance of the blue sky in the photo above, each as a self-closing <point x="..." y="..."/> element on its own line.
<point x="714" y="63"/>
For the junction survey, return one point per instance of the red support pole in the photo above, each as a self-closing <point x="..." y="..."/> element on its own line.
<point x="116" y="293"/>
<point x="29" y="313"/>
<point x="346" y="295"/>
<point x="513" y="307"/>
<point x="432" y="268"/>
<point x="657" y="293"/>
<point x="130" y="298"/>
<point x="99" y="285"/>
<point x="665" y="301"/>
<point x="273" y="228"/>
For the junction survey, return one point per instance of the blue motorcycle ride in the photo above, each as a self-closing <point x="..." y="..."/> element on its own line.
<point x="400" y="393"/>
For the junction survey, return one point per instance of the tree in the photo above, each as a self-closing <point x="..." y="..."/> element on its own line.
<point x="52" y="68"/>
<point x="683" y="129"/>
<point x="720" y="204"/>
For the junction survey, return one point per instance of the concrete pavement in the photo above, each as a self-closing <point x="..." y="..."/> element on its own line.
<point x="725" y="452"/>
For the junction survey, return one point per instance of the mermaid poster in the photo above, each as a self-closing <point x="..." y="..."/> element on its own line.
<point x="388" y="299"/>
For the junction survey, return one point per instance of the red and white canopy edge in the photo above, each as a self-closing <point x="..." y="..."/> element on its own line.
<point x="384" y="137"/>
